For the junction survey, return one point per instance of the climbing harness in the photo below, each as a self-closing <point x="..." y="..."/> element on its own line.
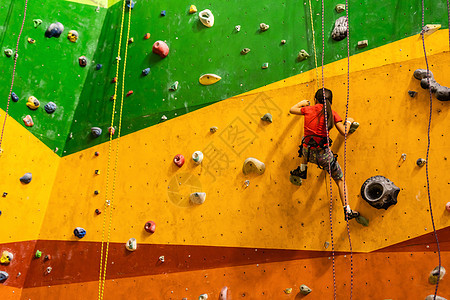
<point x="314" y="43"/>
<point x="110" y="202"/>
<point x="428" y="149"/>
<point x="13" y="75"/>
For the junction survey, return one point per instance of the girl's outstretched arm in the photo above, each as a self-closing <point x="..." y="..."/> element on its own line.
<point x="340" y="126"/>
<point x="296" y="108"/>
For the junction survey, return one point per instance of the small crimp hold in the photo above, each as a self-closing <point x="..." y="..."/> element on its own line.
<point x="79" y="232"/>
<point x="340" y="8"/>
<point x="14" y="97"/>
<point x="5" y="194"/>
<point x="6" y="258"/>
<point x="412" y="94"/>
<point x="96" y="131"/>
<point x="161" y="258"/>
<point x="147" y="36"/>
<point x="38" y="254"/>
<point x="130" y="4"/>
<point x="305" y="290"/>
<point x="3" y="276"/>
<point x="146" y="71"/>
<point x="245" y="51"/>
<point x="33" y="103"/>
<point x="192" y="9"/>
<point x="26" y="178"/>
<point x="98" y="66"/>
<point x="174" y="86"/>
<point x="302" y="55"/>
<point x="48" y="257"/>
<point x="97" y="211"/>
<point x="163" y="118"/>
<point x="213" y="129"/>
<point x="111" y="130"/>
<point x="265" y="65"/>
<point x="131" y="40"/>
<point x="363" y="43"/>
<point x="203" y="297"/>
<point x="283" y="42"/>
<point x="82" y="60"/>
<point x="267" y="118"/>
<point x="163" y="13"/>
<point x="31" y="41"/>
<point x="178" y="160"/>
<point x="237" y="28"/>
<point x="288" y="291"/>
<point x="37" y="22"/>
<point x="197" y="198"/>
<point x="263" y="26"/>
<point x="253" y="165"/>
<point x="49" y="269"/>
<point x="96" y="192"/>
<point x="129" y="93"/>
<point x="131" y="245"/>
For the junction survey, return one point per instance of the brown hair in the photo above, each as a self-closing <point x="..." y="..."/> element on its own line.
<point x="321" y="96"/>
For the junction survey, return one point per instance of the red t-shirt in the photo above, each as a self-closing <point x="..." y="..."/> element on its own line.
<point x="315" y="125"/>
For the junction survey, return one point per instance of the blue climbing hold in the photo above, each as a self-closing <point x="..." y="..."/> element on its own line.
<point x="146" y="71"/>
<point x="163" y="13"/>
<point x="54" y="30"/>
<point x="50" y="107"/>
<point x="99" y="66"/>
<point x="26" y="178"/>
<point x="14" y="97"/>
<point x="130" y="4"/>
<point x="79" y="232"/>
<point x="3" y="276"/>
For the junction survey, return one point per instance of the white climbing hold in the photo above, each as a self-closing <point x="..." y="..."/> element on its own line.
<point x="267" y="118"/>
<point x="432" y="279"/>
<point x="161" y="258"/>
<point x="238" y="28"/>
<point x="302" y="55"/>
<point x="197" y="198"/>
<point x="253" y="165"/>
<point x="430" y="29"/>
<point x="431" y="297"/>
<point x="223" y="293"/>
<point x="131" y="245"/>
<point x="305" y="290"/>
<point x="363" y="44"/>
<point x="203" y="297"/>
<point x="163" y="118"/>
<point x="197" y="157"/>
<point x="206" y="17"/>
<point x="263" y="26"/>
<point x="49" y="269"/>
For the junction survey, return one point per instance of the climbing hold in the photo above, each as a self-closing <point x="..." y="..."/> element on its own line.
<point x="412" y="94"/>
<point x="213" y="129"/>
<point x="305" y="290"/>
<point x="197" y="198"/>
<point x="54" y="30"/>
<point x="147" y="36"/>
<point x="432" y="279"/>
<point x="50" y="107"/>
<point x="363" y="221"/>
<point x="5" y="194"/>
<point x="114" y="80"/>
<point x="129" y="93"/>
<point x="48" y="257"/>
<point x="208" y="79"/>
<point x="130" y="4"/>
<point x="421" y="162"/>
<point x="38" y="254"/>
<point x="72" y="36"/>
<point x="37" y="22"/>
<point x="26" y="178"/>
<point x="263" y="26"/>
<point x="363" y="43"/>
<point x="237" y="28"/>
<point x="247" y="183"/>
<point x="245" y="51"/>
<point x="430" y="29"/>
<point x="96" y="192"/>
<point x="97" y="172"/>
<point x="326" y="244"/>
<point x="340" y="29"/>
<point x="49" y="269"/>
<point x="160" y="48"/>
<point x="130" y="40"/>
<point x="111" y="130"/>
<point x="96" y="131"/>
<point x="353" y="126"/>
<point x="82" y="60"/>
<point x="8" y="52"/>
<point x="203" y="297"/>
<point x="28" y="121"/>
<point x="267" y="118"/>
<point x="131" y="245"/>
<point x="197" y="157"/>
<point x="98" y="211"/>
<point x="253" y="165"/>
<point x="146" y="71"/>
<point x="223" y="293"/>
<point x="79" y="232"/>
<point x="98" y="66"/>
<point x="150" y="227"/>
<point x="283" y="42"/>
<point x="14" y="97"/>
<point x="161" y="258"/>
<point x="6" y="258"/>
<point x="265" y="65"/>
<point x="179" y="160"/>
<point x="174" y="86"/>
<point x="295" y="180"/>
<point x="379" y="192"/>
<point x="192" y="9"/>
<point x="3" y="276"/>
<point x="340" y="8"/>
<point x="163" y="118"/>
<point x="442" y="93"/>
<point x="97" y="153"/>
<point x="288" y="291"/>
<point x="447" y="206"/>
<point x="163" y="13"/>
<point x="33" y="103"/>
<point x="431" y="297"/>
<point x="206" y="17"/>
<point x="31" y="41"/>
<point x="302" y="55"/>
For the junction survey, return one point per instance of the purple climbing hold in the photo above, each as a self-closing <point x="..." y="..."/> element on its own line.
<point x="54" y="30"/>
<point x="163" y="13"/>
<point x="79" y="232"/>
<point x="98" y="67"/>
<point x="14" y="97"/>
<point x="26" y="178"/>
<point x="146" y="71"/>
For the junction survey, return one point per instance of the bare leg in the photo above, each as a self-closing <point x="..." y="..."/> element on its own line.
<point x="340" y="183"/>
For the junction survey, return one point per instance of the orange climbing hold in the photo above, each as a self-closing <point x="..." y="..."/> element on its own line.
<point x="130" y="93"/>
<point x="28" y="121"/>
<point x="147" y="36"/>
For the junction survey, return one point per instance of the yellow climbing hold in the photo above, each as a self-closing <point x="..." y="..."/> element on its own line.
<point x="288" y="290"/>
<point x="33" y="103"/>
<point x="192" y="9"/>
<point x="430" y="29"/>
<point x="6" y="257"/>
<point x="208" y="79"/>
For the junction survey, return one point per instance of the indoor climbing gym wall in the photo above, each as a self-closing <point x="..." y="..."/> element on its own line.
<point x="149" y="149"/>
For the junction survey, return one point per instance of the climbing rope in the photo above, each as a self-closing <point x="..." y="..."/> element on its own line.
<point x="109" y="203"/>
<point x="13" y="75"/>
<point x="314" y="44"/>
<point x="428" y="148"/>
<point x="328" y="149"/>
<point x="345" y="147"/>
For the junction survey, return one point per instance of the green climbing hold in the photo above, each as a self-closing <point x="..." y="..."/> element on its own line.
<point x="38" y="254"/>
<point x="37" y="22"/>
<point x="174" y="86"/>
<point x="363" y="221"/>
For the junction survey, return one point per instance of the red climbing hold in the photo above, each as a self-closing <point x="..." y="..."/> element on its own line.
<point x="147" y="36"/>
<point x="48" y="257"/>
<point x="160" y="48"/>
<point x="129" y="93"/>
<point x="97" y="211"/>
<point x="114" y="80"/>
<point x="150" y="227"/>
<point x="179" y="160"/>
<point x="111" y="130"/>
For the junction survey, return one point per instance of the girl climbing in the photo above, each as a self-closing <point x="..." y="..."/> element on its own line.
<point x="315" y="146"/>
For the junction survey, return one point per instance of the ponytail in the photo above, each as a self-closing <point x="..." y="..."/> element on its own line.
<point x="321" y="96"/>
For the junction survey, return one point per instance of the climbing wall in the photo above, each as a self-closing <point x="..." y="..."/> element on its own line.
<point x="256" y="234"/>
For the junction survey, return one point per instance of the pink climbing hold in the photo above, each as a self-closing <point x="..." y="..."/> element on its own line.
<point x="223" y="293"/>
<point x="160" y="48"/>
<point x="129" y="93"/>
<point x="447" y="206"/>
<point x="179" y="160"/>
<point x="150" y="227"/>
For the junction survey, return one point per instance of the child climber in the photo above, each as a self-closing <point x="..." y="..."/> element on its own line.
<point x="315" y="145"/>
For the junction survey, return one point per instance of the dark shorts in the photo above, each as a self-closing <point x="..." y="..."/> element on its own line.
<point x="323" y="158"/>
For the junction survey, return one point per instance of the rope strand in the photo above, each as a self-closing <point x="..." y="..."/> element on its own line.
<point x="314" y="44"/>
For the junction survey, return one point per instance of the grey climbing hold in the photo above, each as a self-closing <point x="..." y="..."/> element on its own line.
<point x="326" y="244"/>
<point x="50" y="107"/>
<point x="26" y="178"/>
<point x="363" y="221"/>
<point x="421" y="162"/>
<point x="14" y="97"/>
<point x="340" y="8"/>
<point x="263" y="26"/>
<point x="431" y="297"/>
<point x="54" y="30"/>
<point x="174" y="86"/>
<point x="427" y="81"/>
<point x="267" y="117"/>
<point x="412" y="94"/>
<point x="213" y="129"/>
<point x="245" y="51"/>
<point x="3" y="276"/>
<point x="302" y="55"/>
<point x="198" y="198"/>
<point x="253" y="165"/>
<point x="340" y="29"/>
<point x="146" y="71"/>
<point x="96" y="131"/>
<point x="37" y="22"/>
<point x="379" y="192"/>
<point x="363" y="43"/>
<point x="435" y="274"/>
<point x="305" y="290"/>
<point x="8" y="52"/>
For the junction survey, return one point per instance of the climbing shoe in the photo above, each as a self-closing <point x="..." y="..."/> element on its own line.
<point x="351" y="214"/>
<point x="301" y="174"/>
<point x="353" y="127"/>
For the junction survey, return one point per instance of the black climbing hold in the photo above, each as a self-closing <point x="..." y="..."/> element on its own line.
<point x="97" y="211"/>
<point x="421" y="162"/>
<point x="412" y="94"/>
<point x="379" y="192"/>
<point x="96" y="192"/>
<point x="146" y="71"/>
<point x="54" y="30"/>
<point x="97" y="153"/>
<point x="163" y="13"/>
<point x="50" y="107"/>
<point x="79" y="232"/>
<point x="5" y="194"/>
<point x="427" y="81"/>
<point x="98" y="66"/>
<point x="14" y="97"/>
<point x="26" y="178"/>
